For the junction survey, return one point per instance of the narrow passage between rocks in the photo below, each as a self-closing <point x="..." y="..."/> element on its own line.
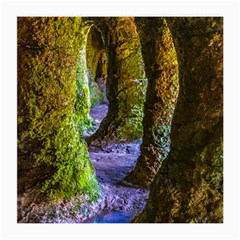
<point x="162" y="78"/>
<point x="120" y="201"/>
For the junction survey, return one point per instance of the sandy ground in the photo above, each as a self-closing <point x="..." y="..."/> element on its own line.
<point x="120" y="201"/>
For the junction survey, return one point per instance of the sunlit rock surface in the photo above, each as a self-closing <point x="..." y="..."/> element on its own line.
<point x="162" y="72"/>
<point x="126" y="83"/>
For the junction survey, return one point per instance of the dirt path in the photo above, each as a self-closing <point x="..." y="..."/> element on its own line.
<point x="121" y="202"/>
<point x="118" y="197"/>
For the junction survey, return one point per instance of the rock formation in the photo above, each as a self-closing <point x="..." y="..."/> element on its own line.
<point x="52" y="106"/>
<point x="126" y="83"/>
<point x="162" y="72"/>
<point x="189" y="185"/>
<point x="64" y="65"/>
<point x="97" y="66"/>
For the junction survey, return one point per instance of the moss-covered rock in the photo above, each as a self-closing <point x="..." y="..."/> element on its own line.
<point x="162" y="72"/>
<point x="97" y="67"/>
<point x="83" y="100"/>
<point x="189" y="184"/>
<point x="52" y="104"/>
<point x="126" y="84"/>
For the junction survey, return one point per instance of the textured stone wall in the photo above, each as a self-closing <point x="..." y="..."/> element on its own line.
<point x="83" y="98"/>
<point x="97" y="66"/>
<point x="52" y="104"/>
<point x="162" y="72"/>
<point x="126" y="85"/>
<point x="189" y="185"/>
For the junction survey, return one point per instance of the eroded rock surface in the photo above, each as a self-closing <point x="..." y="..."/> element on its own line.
<point x="56" y="180"/>
<point x="189" y="184"/>
<point x="126" y="83"/>
<point x="162" y="72"/>
<point x="53" y="105"/>
<point x="120" y="201"/>
<point x="96" y="67"/>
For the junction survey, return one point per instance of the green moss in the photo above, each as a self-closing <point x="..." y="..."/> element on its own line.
<point x="131" y="81"/>
<point x="131" y="100"/>
<point x="126" y="82"/>
<point x="83" y="103"/>
<point x="53" y="105"/>
<point x="74" y="173"/>
<point x="96" y="64"/>
<point x="96" y="95"/>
